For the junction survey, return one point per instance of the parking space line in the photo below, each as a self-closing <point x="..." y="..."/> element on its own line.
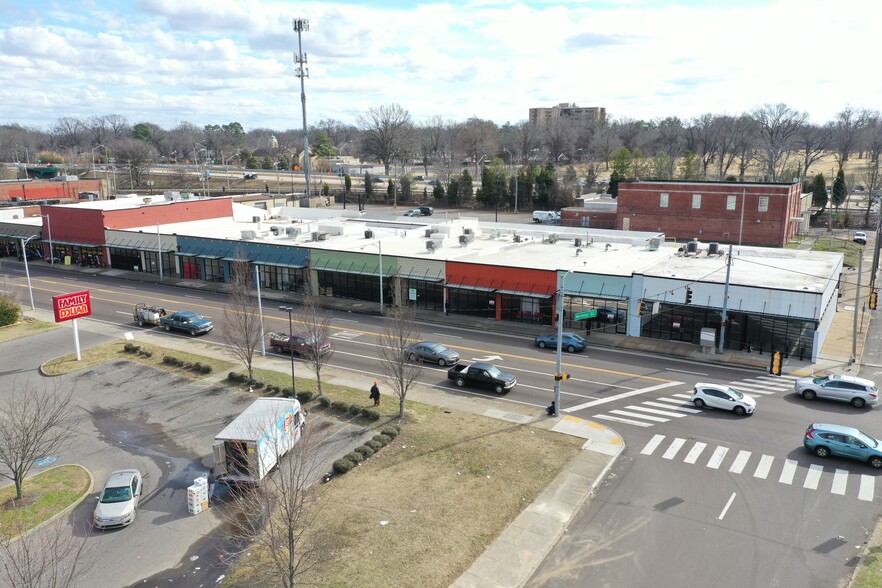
<point x="696" y="450"/>
<point x="813" y="476"/>
<point x="787" y="472"/>
<point x="840" y="480"/>
<point x="740" y="462"/>
<point x="765" y="464"/>
<point x="717" y="458"/>
<point x="653" y="443"/>
<point x="674" y="448"/>
<point x="868" y="484"/>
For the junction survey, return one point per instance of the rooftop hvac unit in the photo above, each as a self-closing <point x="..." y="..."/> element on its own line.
<point x="713" y="248"/>
<point x="292" y="231"/>
<point x="248" y="235"/>
<point x="552" y="238"/>
<point x="517" y="238"/>
<point x="315" y="235"/>
<point x="275" y="230"/>
<point x="463" y="239"/>
<point x="467" y="231"/>
<point x="578" y="242"/>
<point x="322" y="236"/>
<point x="255" y="219"/>
<point x="428" y="232"/>
<point x="692" y="247"/>
<point x="430" y="246"/>
<point x="369" y="234"/>
<point x="654" y="244"/>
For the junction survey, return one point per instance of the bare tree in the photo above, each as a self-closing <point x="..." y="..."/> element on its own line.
<point x="137" y="155"/>
<point x="559" y="137"/>
<point x="778" y="125"/>
<point x="745" y="143"/>
<point x="604" y="143"/>
<point x="34" y="423"/>
<point x="399" y="331"/>
<point x="67" y="133"/>
<point x="847" y="135"/>
<point x="870" y="172"/>
<point x="277" y="518"/>
<point x="386" y="132"/>
<point x="51" y="556"/>
<point x="243" y="325"/>
<point x="316" y="321"/>
<point x="812" y="142"/>
<point x="726" y="130"/>
<point x="525" y="137"/>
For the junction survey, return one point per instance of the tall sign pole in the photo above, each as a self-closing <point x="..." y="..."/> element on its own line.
<point x="300" y="25"/>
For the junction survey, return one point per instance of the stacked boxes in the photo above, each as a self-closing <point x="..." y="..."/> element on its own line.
<point x="197" y="495"/>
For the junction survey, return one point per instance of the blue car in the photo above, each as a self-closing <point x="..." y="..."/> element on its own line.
<point x="571" y="342"/>
<point x="826" y="440"/>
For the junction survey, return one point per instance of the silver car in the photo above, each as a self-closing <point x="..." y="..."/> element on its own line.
<point x="722" y="396"/>
<point x="118" y="501"/>
<point x="859" y="392"/>
<point x="432" y="352"/>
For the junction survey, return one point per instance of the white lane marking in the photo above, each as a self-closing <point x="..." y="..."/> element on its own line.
<point x="625" y="413"/>
<point x="128" y="287"/>
<point x="679" y="406"/>
<point x="686" y="372"/>
<point x="765" y="464"/>
<point x="620" y="420"/>
<point x="623" y="395"/>
<point x="653" y="443"/>
<point x="718" y="457"/>
<point x="787" y="472"/>
<point x="813" y="477"/>
<point x="447" y="335"/>
<point x="674" y="448"/>
<point x="726" y="508"/>
<point x="696" y="450"/>
<point x="343" y="320"/>
<point x="194" y="297"/>
<point x="123" y="312"/>
<point x="840" y="480"/>
<point x="655" y="411"/>
<point x="740" y="462"/>
<point x="867" y="485"/>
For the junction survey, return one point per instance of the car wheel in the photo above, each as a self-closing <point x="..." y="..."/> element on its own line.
<point x="571" y="349"/>
<point x="739" y="410"/>
<point x="499" y="388"/>
<point x="168" y="328"/>
<point x="822" y="451"/>
<point x="808" y="395"/>
<point x="277" y="349"/>
<point x="858" y="402"/>
<point x="441" y="362"/>
<point x="412" y="357"/>
<point x="876" y="461"/>
<point x="460" y="382"/>
<point x="541" y="344"/>
<point x="140" y="322"/>
<point x="698" y="402"/>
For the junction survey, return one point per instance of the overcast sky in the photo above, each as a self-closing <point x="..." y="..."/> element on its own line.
<point x="218" y="61"/>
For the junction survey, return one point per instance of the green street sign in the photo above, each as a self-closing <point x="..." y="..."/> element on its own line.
<point x="586" y="315"/>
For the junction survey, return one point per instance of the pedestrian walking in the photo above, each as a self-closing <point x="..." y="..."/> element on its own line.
<point x="375" y="394"/>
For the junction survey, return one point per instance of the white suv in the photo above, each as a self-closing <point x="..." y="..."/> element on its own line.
<point x="857" y="391"/>
<point x="860" y="238"/>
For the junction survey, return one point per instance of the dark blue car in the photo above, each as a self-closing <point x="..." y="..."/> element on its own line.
<point x="571" y="342"/>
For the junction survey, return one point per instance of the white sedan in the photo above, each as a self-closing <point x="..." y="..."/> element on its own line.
<point x="722" y="396"/>
<point x="119" y="499"/>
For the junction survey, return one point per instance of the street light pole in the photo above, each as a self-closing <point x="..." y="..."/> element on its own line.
<point x="560" y="309"/>
<point x="300" y="25"/>
<point x="290" y="311"/>
<point x="24" y="256"/>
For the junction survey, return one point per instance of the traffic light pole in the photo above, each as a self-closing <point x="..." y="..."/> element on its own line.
<point x="725" y="302"/>
<point x="560" y="309"/>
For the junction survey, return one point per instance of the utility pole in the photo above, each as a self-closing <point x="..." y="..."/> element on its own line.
<point x="300" y="25"/>
<point x="857" y="306"/>
<point x="725" y="301"/>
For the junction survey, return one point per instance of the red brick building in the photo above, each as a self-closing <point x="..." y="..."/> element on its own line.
<point x="763" y="214"/>
<point x="49" y="190"/>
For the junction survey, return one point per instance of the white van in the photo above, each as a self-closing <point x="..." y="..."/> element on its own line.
<point x="546" y="216"/>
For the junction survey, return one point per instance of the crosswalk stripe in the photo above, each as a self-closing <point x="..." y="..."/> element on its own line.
<point x="765" y="464"/>
<point x="740" y="462"/>
<point x="761" y="382"/>
<point x="867" y="485"/>
<point x="655" y="411"/>
<point x="787" y="472"/>
<point x="620" y="420"/>
<point x="696" y="450"/>
<point x="813" y="477"/>
<point x="685" y="396"/>
<point x="674" y="448"/>
<point x="625" y="413"/>
<point x="757" y="390"/>
<point x="681" y="408"/>
<point x="840" y="480"/>
<point x="653" y="443"/>
<point x="717" y="458"/>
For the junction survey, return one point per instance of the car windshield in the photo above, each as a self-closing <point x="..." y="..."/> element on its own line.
<point x="494" y="371"/>
<point x="867" y="440"/>
<point x="117" y="494"/>
<point x="574" y="337"/>
<point x="436" y="347"/>
<point x="736" y="393"/>
<point x="821" y="380"/>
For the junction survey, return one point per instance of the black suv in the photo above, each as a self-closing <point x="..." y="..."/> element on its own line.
<point x="426" y="210"/>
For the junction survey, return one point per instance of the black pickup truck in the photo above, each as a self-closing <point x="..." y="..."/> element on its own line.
<point x="485" y="375"/>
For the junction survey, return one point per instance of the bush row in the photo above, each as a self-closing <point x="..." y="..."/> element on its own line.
<point x="201" y="368"/>
<point x="377" y="442"/>
<point x="352" y="410"/>
<point x="269" y="389"/>
<point x="132" y="348"/>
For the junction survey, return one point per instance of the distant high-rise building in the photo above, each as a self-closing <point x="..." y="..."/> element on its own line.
<point x="568" y="111"/>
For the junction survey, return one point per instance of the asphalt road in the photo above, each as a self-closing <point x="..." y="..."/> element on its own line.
<point x="698" y="497"/>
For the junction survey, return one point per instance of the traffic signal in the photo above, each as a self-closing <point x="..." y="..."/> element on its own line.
<point x="874" y="295"/>
<point x="688" y="295"/>
<point x="561" y="377"/>
<point x="775" y="366"/>
<point x="640" y="308"/>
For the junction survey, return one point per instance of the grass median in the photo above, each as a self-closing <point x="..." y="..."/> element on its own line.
<point x="24" y="328"/>
<point x="147" y="354"/>
<point x="45" y="494"/>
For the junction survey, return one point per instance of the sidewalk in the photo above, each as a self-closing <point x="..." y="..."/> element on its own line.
<point x="512" y="558"/>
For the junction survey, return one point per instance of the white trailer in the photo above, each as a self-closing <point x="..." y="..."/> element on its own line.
<point x="251" y="446"/>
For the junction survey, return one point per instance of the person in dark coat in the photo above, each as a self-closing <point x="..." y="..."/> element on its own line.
<point x="375" y="394"/>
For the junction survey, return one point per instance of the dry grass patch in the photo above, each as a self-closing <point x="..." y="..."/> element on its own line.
<point x="869" y="572"/>
<point x="24" y="328"/>
<point x="45" y="494"/>
<point x="447" y="485"/>
<point x="114" y="350"/>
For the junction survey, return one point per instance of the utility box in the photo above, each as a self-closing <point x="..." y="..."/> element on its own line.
<point x="707" y="340"/>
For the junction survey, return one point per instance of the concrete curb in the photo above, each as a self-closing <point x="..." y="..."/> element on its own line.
<point x="66" y="509"/>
